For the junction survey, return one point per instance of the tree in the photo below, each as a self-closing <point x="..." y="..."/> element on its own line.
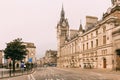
<point x="15" y="50"/>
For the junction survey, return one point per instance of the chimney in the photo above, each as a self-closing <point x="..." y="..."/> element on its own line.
<point x="90" y="21"/>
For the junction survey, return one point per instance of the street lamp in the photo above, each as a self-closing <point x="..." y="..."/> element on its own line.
<point x="10" y="67"/>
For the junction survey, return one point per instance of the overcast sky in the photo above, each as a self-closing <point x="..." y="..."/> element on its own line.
<point x="35" y="20"/>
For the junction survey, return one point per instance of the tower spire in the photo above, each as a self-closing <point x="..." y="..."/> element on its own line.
<point x="80" y="28"/>
<point x="62" y="12"/>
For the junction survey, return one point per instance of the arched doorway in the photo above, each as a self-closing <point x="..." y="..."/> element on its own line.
<point x="104" y="63"/>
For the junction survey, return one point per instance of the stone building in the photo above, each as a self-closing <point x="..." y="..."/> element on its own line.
<point x="40" y="62"/>
<point x="2" y="59"/>
<point x="30" y="57"/>
<point x="51" y="57"/>
<point x="94" y="46"/>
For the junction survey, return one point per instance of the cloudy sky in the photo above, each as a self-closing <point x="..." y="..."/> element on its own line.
<point x="35" y="20"/>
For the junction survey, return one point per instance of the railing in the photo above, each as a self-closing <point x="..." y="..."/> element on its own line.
<point x="5" y="73"/>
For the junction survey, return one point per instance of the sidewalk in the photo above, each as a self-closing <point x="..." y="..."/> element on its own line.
<point x="23" y="77"/>
<point x="5" y="74"/>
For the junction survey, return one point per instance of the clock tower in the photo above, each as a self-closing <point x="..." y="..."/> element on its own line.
<point x="62" y="31"/>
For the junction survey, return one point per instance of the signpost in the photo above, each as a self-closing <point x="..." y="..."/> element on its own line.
<point x="30" y="60"/>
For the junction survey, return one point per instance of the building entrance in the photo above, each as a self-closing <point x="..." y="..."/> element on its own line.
<point x="104" y="63"/>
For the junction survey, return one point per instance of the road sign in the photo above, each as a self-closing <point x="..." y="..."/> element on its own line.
<point x="30" y="60"/>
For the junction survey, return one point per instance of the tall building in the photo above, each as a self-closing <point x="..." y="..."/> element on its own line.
<point x="94" y="46"/>
<point x="31" y="54"/>
<point x="51" y="57"/>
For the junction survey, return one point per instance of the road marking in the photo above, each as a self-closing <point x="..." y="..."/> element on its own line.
<point x="33" y="78"/>
<point x="30" y="77"/>
<point x="53" y="79"/>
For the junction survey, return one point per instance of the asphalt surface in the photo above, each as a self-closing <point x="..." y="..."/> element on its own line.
<point x="52" y="73"/>
<point x="72" y="74"/>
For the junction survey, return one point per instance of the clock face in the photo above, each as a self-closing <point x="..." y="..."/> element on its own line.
<point x="63" y="24"/>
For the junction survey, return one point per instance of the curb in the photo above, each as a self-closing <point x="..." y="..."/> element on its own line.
<point x="27" y="73"/>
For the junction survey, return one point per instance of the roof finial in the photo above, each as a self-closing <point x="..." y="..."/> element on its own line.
<point x="62" y="12"/>
<point x="80" y="21"/>
<point x="80" y="28"/>
<point x="62" y="7"/>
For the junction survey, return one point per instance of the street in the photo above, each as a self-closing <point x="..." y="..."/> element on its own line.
<point x="72" y="74"/>
<point x="53" y="73"/>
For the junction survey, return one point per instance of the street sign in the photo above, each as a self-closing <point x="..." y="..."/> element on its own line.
<point x="30" y="60"/>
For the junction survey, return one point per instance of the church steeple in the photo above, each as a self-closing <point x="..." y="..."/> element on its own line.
<point x="80" y="28"/>
<point x="62" y="15"/>
<point x="62" y="12"/>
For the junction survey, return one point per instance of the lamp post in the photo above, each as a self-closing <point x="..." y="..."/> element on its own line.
<point x="10" y="68"/>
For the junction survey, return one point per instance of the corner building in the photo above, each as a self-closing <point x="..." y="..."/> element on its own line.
<point x="94" y="46"/>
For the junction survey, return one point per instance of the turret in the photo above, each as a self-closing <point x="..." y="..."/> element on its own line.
<point x="62" y="16"/>
<point x="115" y="2"/>
<point x="80" y="29"/>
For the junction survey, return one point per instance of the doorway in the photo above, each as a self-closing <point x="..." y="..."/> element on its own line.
<point x="104" y="63"/>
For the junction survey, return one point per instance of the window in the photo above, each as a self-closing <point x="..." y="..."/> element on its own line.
<point x="104" y="29"/>
<point x="104" y="52"/>
<point x="87" y="45"/>
<point x="96" y="32"/>
<point x="104" y="39"/>
<point x="83" y="47"/>
<point x="87" y="37"/>
<point x="64" y="32"/>
<point x="83" y="39"/>
<point x="91" y="35"/>
<point x="91" y="44"/>
<point x="96" y="42"/>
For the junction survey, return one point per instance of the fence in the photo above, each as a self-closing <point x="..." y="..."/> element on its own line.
<point x="4" y="73"/>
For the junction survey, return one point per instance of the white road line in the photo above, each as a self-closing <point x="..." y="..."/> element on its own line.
<point x="28" y="77"/>
<point x="53" y="79"/>
<point x="33" y="78"/>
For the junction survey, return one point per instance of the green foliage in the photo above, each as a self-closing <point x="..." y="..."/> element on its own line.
<point x="15" y="50"/>
<point x="118" y="51"/>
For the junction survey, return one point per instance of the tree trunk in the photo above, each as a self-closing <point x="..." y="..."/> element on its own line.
<point x="13" y="66"/>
